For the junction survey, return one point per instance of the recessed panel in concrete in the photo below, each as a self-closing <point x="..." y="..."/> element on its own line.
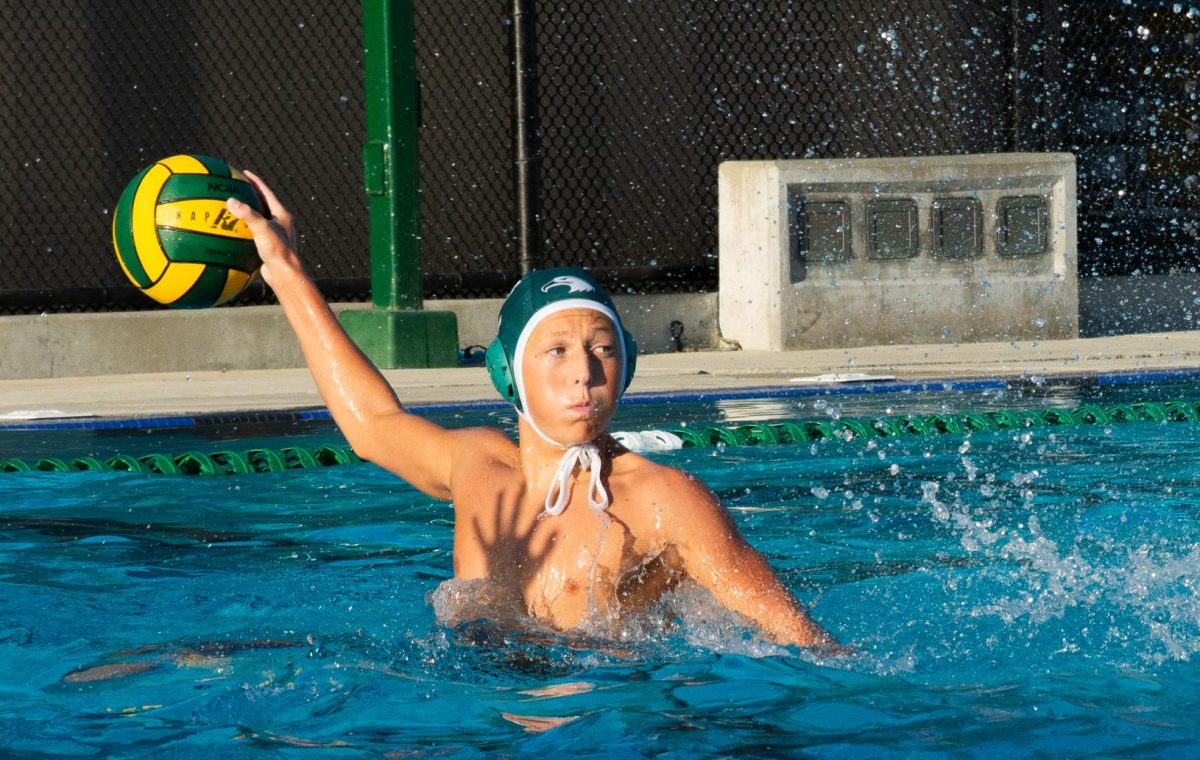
<point x="957" y="228"/>
<point x="819" y="229"/>
<point x="892" y="229"/>
<point x="1021" y="225"/>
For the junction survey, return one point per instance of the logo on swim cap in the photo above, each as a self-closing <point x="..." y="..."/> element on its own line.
<point x="573" y="284"/>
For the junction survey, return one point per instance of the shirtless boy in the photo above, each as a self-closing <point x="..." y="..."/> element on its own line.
<point x="574" y="528"/>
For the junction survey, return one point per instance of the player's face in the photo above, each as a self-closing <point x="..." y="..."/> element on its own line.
<point x="571" y="370"/>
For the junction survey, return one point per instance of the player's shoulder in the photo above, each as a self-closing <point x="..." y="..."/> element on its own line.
<point x="486" y="463"/>
<point x="484" y="446"/>
<point x="663" y="484"/>
<point x="486" y="436"/>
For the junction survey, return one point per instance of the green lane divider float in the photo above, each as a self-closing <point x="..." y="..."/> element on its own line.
<point x="230" y="462"/>
<point x="197" y="462"/>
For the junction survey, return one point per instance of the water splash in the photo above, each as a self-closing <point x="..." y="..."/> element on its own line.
<point x="1099" y="594"/>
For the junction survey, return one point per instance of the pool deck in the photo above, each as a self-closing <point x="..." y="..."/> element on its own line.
<point x="180" y="393"/>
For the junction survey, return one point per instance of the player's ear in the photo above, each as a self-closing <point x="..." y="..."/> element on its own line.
<point x="500" y="371"/>
<point x="630" y="347"/>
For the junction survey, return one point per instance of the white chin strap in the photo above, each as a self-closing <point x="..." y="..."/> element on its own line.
<point x="587" y="457"/>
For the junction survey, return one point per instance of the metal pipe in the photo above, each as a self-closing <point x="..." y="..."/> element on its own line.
<point x="526" y="137"/>
<point x="1015" y="52"/>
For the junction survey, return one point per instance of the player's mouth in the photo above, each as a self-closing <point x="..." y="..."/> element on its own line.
<point x="583" y="408"/>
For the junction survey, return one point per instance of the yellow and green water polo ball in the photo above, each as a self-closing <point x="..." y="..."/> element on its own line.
<point x="175" y="239"/>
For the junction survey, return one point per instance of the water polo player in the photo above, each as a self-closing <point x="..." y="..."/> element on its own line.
<point x="565" y="525"/>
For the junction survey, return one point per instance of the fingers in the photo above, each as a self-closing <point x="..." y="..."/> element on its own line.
<point x="274" y="206"/>
<point x="244" y="211"/>
<point x="269" y="237"/>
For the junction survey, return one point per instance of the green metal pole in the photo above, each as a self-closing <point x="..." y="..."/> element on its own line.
<point x="396" y="332"/>
<point x="390" y="155"/>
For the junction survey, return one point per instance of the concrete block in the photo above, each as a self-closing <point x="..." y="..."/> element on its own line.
<point x="258" y="337"/>
<point x="67" y="345"/>
<point x="860" y="252"/>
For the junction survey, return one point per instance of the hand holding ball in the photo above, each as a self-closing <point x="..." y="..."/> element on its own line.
<point x="174" y="237"/>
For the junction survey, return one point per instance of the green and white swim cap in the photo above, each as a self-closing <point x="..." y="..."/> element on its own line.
<point x="538" y="295"/>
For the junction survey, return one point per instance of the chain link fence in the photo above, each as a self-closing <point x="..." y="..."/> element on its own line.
<point x="94" y="91"/>
<point x="468" y="209"/>
<point x="637" y="105"/>
<point x="1122" y="81"/>
<point x="640" y="104"/>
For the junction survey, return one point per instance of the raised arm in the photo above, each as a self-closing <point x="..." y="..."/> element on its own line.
<point x="716" y="556"/>
<point x="362" y="403"/>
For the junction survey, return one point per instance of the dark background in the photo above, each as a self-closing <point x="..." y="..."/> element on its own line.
<point x="638" y="102"/>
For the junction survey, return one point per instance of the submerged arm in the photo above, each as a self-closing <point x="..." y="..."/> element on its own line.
<point x="716" y="556"/>
<point x="362" y="403"/>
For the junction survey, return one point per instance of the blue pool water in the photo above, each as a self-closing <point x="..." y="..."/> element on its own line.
<point x="1007" y="593"/>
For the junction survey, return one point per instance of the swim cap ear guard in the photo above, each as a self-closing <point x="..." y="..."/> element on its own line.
<point x="538" y="294"/>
